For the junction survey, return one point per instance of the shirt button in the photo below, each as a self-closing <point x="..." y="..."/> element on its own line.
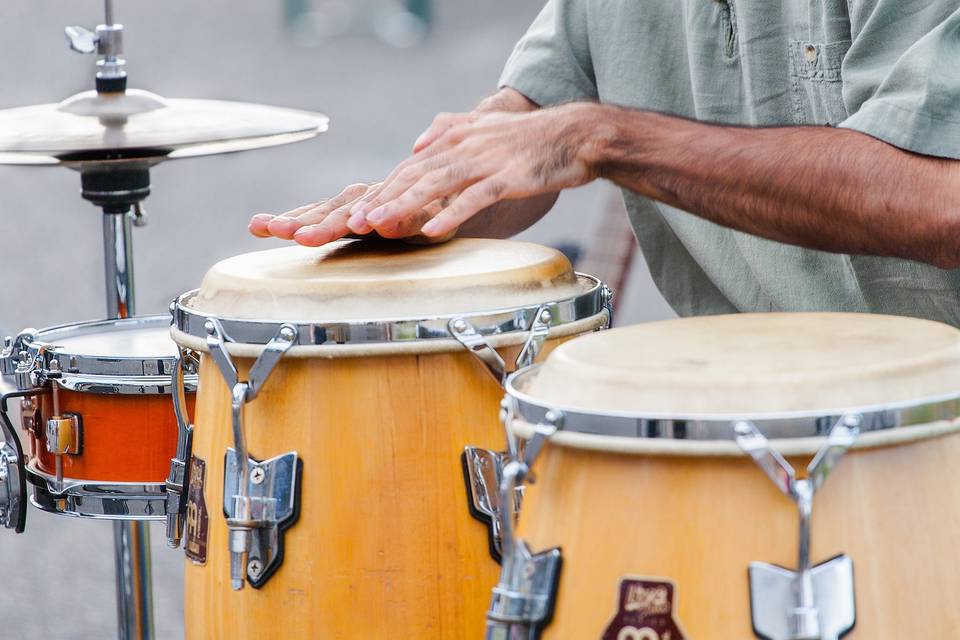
<point x="810" y="53"/>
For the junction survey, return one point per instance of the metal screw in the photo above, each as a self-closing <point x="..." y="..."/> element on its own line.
<point x="208" y="326"/>
<point x="287" y="333"/>
<point x="546" y="316"/>
<point x="254" y="568"/>
<point x="257" y="475"/>
<point x="459" y="325"/>
<point x="743" y="428"/>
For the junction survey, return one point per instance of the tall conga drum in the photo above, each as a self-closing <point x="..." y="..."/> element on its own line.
<point x="349" y="379"/>
<point x="784" y="476"/>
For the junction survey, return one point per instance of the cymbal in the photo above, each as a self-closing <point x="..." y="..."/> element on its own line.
<point x="144" y="128"/>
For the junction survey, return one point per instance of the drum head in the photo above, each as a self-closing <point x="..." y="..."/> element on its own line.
<point x="751" y="364"/>
<point x="129" y="347"/>
<point x="371" y="280"/>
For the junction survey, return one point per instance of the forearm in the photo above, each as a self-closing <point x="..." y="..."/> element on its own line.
<point x="823" y="188"/>
<point x="508" y="217"/>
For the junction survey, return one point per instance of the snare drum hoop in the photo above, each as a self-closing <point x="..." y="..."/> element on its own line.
<point x="503" y="327"/>
<point x="713" y="434"/>
<point x="104" y="373"/>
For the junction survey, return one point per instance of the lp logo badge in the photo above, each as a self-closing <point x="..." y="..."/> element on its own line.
<point x="644" y="612"/>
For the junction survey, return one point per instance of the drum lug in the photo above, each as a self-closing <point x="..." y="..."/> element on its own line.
<point x="13" y="478"/>
<point x="179" y="468"/>
<point x="466" y="334"/>
<point x="483" y="472"/>
<point x="523" y="600"/>
<point x="65" y="434"/>
<point x="606" y="298"/>
<point x="253" y="531"/>
<point x="271" y="505"/>
<point x="811" y="602"/>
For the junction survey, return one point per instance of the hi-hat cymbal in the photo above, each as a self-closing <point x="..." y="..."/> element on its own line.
<point x="141" y="127"/>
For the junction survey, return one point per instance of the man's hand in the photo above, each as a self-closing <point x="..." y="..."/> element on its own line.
<point x="321" y="222"/>
<point x="468" y="163"/>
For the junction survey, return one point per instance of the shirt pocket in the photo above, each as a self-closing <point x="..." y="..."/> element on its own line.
<point x="817" y="82"/>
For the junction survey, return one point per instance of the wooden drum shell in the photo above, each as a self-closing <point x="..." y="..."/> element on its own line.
<point x="699" y="522"/>
<point x="385" y="546"/>
<point x="126" y="438"/>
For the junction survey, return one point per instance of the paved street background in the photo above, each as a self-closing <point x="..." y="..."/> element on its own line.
<point x="56" y="581"/>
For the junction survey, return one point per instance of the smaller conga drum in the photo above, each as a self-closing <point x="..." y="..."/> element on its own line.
<point x="682" y="471"/>
<point x="96" y="411"/>
<point x="327" y="500"/>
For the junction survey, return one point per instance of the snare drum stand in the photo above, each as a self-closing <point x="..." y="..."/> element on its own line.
<point x="119" y="193"/>
<point x="118" y="188"/>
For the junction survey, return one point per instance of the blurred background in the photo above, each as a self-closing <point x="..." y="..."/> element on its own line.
<point x="380" y="68"/>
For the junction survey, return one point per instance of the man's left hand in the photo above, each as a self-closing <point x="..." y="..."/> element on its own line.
<point x="481" y="160"/>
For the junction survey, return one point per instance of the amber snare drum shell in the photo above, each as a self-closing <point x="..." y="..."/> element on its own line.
<point x="98" y="418"/>
<point x="377" y="400"/>
<point x="650" y="491"/>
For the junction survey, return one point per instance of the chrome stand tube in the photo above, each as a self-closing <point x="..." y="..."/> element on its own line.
<point x="131" y="539"/>
<point x="118" y="264"/>
<point x="134" y="593"/>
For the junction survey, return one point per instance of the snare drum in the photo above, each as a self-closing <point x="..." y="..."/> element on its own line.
<point x="327" y="498"/>
<point x="98" y="417"/>
<point x="683" y="481"/>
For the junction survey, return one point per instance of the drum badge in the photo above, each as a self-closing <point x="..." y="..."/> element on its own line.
<point x="644" y="612"/>
<point x="196" y="546"/>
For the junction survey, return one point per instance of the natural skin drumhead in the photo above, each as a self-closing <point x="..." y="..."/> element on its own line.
<point x="372" y="280"/>
<point x="753" y="363"/>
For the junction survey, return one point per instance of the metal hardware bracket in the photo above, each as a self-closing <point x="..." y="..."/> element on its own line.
<point x="272" y="505"/>
<point x="252" y="527"/>
<point x="523" y="600"/>
<point x="13" y="482"/>
<point x="467" y="335"/>
<point x="811" y="603"/>
<point x="178" y="479"/>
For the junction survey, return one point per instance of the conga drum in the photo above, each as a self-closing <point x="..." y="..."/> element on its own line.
<point x="681" y="476"/>
<point x="96" y="414"/>
<point x="350" y="518"/>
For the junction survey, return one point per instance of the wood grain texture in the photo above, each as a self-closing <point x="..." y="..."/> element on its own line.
<point x="385" y="546"/>
<point x="126" y="438"/>
<point x="699" y="521"/>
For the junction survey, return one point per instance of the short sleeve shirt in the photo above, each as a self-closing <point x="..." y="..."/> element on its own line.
<point x="888" y="68"/>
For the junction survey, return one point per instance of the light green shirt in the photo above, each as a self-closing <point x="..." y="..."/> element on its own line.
<point x="888" y="68"/>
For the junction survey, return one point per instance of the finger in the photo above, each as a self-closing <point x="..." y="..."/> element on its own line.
<point x="433" y="155"/>
<point x="473" y="200"/>
<point x="441" y="124"/>
<point x="287" y="225"/>
<point x="404" y="227"/>
<point x="435" y="185"/>
<point x="332" y="227"/>
<point x="258" y="224"/>
<point x="404" y="179"/>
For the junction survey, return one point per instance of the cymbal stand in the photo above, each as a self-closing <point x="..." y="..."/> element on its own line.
<point x="119" y="190"/>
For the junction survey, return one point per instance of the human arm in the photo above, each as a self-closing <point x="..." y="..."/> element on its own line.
<point x="824" y="188"/>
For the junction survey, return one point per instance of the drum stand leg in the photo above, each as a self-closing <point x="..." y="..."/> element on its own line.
<point x="131" y="538"/>
<point x="134" y="580"/>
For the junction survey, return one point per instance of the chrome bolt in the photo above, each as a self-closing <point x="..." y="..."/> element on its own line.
<point x="546" y="316"/>
<point x="210" y="329"/>
<point x="257" y="475"/>
<point x="460" y="325"/>
<point x="254" y="568"/>
<point x="742" y="428"/>
<point x="287" y="333"/>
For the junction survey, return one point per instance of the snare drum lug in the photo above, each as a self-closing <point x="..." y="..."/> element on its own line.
<point x="258" y="520"/>
<point x="65" y="434"/>
<point x="8" y="357"/>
